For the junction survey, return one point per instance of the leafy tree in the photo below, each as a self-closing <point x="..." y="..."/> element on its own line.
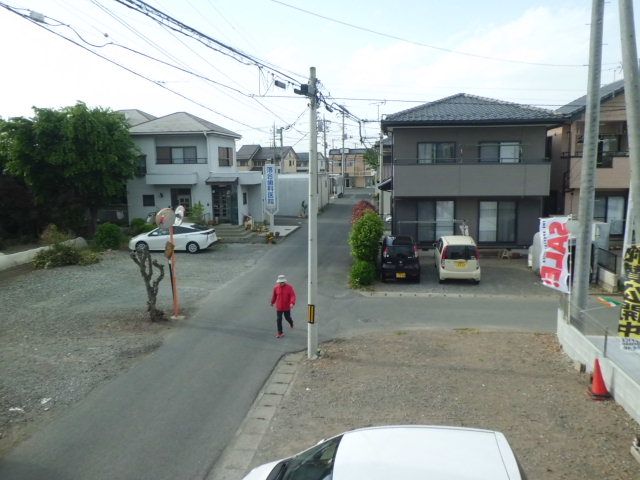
<point x="371" y="158"/>
<point x="73" y="159"/>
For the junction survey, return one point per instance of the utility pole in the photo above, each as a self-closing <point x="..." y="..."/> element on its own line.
<point x="342" y="151"/>
<point x="312" y="264"/>
<point x="380" y="176"/>
<point x="632" y="105"/>
<point x="589" y="160"/>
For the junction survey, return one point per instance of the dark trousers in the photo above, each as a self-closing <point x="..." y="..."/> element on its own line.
<point x="287" y="316"/>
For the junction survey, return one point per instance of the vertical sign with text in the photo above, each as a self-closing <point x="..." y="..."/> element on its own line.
<point x="270" y="189"/>
<point x="554" y="254"/>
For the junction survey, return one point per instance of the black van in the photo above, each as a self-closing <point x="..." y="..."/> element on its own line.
<point x="398" y="259"/>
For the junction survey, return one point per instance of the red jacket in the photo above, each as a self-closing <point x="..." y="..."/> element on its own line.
<point x="284" y="297"/>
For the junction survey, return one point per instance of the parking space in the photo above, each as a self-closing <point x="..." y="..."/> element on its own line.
<point x="501" y="277"/>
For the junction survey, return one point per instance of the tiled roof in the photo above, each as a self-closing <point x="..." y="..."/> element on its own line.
<point x="247" y="152"/>
<point x="180" y="122"/>
<point x="470" y="109"/>
<point x="136" y="117"/>
<point x="266" y="153"/>
<point x="580" y="104"/>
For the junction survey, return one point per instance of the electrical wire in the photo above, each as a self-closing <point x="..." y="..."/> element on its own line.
<point x="420" y="44"/>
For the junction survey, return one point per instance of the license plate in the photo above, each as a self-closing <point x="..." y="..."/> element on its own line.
<point x="461" y="264"/>
<point x="401" y="275"/>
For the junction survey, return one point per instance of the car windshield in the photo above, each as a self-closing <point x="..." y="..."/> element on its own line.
<point x="313" y="464"/>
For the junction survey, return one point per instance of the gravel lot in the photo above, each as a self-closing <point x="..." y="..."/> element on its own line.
<point x="517" y="383"/>
<point x="66" y="330"/>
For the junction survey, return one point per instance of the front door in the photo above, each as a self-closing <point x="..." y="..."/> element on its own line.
<point x="221" y="202"/>
<point x="181" y="196"/>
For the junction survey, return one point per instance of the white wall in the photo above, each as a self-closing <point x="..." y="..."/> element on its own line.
<point x="294" y="188"/>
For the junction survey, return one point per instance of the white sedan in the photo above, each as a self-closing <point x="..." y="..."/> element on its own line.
<point x="190" y="237"/>
<point x="409" y="452"/>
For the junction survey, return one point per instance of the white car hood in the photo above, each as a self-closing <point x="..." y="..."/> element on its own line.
<point x="261" y="472"/>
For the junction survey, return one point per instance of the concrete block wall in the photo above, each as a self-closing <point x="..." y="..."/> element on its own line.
<point x="21" y="258"/>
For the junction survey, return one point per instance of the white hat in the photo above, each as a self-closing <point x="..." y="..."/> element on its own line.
<point x="281" y="279"/>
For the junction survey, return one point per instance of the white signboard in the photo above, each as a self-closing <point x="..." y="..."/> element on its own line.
<point x="554" y="255"/>
<point x="270" y="188"/>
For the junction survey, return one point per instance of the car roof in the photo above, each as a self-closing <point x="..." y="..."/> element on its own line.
<point x="418" y="452"/>
<point x="458" y="240"/>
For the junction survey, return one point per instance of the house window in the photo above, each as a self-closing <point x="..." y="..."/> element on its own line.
<point x="141" y="165"/>
<point x="610" y="210"/>
<point x="497" y="222"/>
<point x="608" y="146"/>
<point x="225" y="156"/>
<point x="435" y="219"/>
<point x="177" y="155"/>
<point x="502" y="152"/>
<point x="439" y="152"/>
<point x="244" y="198"/>
<point x="148" y="200"/>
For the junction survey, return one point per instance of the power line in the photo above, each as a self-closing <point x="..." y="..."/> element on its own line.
<point x="420" y="44"/>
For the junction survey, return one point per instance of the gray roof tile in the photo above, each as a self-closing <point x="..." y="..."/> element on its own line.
<point x="180" y="122"/>
<point x="470" y="109"/>
<point x="580" y="104"/>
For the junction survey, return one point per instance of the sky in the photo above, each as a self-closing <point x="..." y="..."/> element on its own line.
<point x="373" y="58"/>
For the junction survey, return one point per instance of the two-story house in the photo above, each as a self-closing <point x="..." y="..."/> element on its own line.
<point x="357" y="172"/>
<point x="184" y="160"/>
<point x="612" y="173"/>
<point x="254" y="158"/>
<point x="472" y="159"/>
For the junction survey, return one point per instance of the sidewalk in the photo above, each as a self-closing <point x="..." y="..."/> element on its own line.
<point x="518" y="383"/>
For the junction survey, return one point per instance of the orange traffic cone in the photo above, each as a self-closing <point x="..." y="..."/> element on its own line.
<point x="598" y="389"/>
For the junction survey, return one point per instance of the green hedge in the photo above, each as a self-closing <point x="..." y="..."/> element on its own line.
<point x="362" y="273"/>
<point x="365" y="237"/>
<point x="60" y="255"/>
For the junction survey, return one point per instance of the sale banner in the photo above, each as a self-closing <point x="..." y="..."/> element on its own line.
<point x="554" y="254"/>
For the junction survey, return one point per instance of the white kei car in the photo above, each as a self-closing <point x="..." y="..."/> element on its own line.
<point x="190" y="237"/>
<point x="409" y="452"/>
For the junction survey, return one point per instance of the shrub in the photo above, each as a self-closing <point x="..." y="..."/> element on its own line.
<point x="359" y="209"/>
<point x="365" y="237"/>
<point x="108" y="236"/>
<point x="139" y="225"/>
<point x="362" y="273"/>
<point x="87" y="257"/>
<point x="52" y="235"/>
<point x="196" y="213"/>
<point x="58" y="255"/>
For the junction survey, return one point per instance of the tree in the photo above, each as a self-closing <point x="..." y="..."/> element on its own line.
<point x="371" y="158"/>
<point x="145" y="263"/>
<point x="74" y="159"/>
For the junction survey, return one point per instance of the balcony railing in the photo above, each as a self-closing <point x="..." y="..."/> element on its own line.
<point x="185" y="161"/>
<point x="612" y="172"/>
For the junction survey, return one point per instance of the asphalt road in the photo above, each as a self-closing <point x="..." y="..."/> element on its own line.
<point x="172" y="414"/>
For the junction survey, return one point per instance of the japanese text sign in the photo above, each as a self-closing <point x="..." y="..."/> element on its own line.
<point x="270" y="188"/>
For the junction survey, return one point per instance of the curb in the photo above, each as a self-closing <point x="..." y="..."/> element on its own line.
<point x="237" y="457"/>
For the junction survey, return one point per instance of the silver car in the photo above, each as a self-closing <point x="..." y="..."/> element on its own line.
<point x="408" y="452"/>
<point x="190" y="237"/>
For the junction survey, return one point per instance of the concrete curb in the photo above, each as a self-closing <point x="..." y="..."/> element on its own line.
<point x="20" y="258"/>
<point x="236" y="459"/>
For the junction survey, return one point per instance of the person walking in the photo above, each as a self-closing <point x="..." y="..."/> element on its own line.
<point x="284" y="299"/>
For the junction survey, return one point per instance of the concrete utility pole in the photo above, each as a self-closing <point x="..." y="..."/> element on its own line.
<point x="632" y="104"/>
<point x="589" y="160"/>
<point x="380" y="176"/>
<point x="312" y="264"/>
<point x="342" y="151"/>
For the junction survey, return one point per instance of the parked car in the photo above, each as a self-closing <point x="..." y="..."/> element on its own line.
<point x="457" y="257"/>
<point x="408" y="452"/>
<point x="399" y="258"/>
<point x="190" y="237"/>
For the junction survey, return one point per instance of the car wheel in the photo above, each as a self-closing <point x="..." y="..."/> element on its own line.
<point x="477" y="282"/>
<point x="192" y="247"/>
<point x="440" y="280"/>
<point x="141" y="246"/>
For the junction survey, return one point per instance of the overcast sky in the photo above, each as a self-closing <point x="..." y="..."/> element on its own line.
<point x="373" y="57"/>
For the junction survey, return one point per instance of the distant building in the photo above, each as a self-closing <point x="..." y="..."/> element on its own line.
<point x="356" y="171"/>
<point x="254" y="158"/>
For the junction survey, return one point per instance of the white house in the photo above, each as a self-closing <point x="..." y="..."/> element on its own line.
<point x="184" y="160"/>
